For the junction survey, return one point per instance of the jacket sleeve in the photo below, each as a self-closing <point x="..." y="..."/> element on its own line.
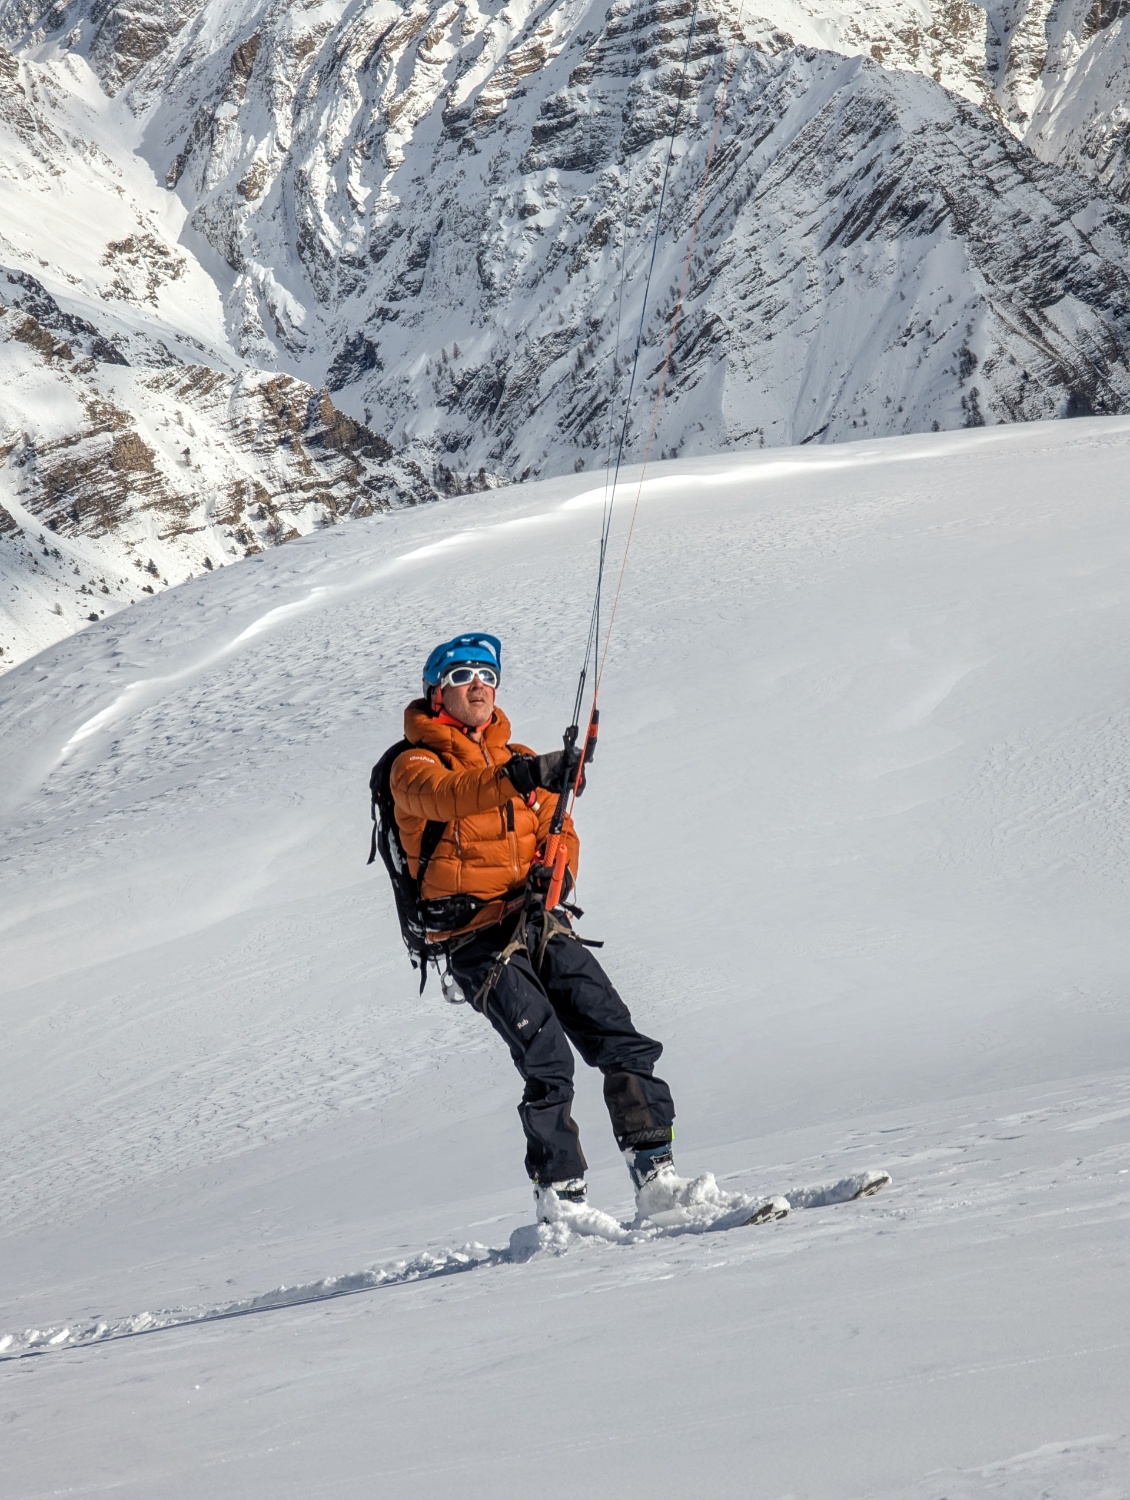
<point x="548" y="802"/>
<point x="423" y="787"/>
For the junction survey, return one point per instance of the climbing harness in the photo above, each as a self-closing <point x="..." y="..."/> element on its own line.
<point x="550" y="925"/>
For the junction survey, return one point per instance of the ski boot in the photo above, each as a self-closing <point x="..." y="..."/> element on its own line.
<point x="669" y="1201"/>
<point x="557" y="1200"/>
<point x="646" y="1163"/>
<point x="659" y="1190"/>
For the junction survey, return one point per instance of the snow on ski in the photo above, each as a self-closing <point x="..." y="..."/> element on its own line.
<point x="846" y="1190"/>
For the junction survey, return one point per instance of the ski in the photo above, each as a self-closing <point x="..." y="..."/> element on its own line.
<point x="846" y="1190"/>
<point x="765" y="1213"/>
<point x="873" y="1183"/>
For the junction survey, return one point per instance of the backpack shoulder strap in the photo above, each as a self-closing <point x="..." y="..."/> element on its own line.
<point x="434" y="828"/>
<point x="386" y="840"/>
<point x="382" y="807"/>
<point x="380" y="790"/>
<point x="429" y="843"/>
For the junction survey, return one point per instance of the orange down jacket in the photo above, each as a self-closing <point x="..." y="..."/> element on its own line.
<point x="492" y="835"/>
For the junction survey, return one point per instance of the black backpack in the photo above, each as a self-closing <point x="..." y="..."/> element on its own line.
<point x="386" y="841"/>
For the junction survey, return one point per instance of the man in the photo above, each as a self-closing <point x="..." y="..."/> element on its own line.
<point x="523" y="968"/>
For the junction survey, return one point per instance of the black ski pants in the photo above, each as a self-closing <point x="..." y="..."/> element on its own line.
<point x="538" y="1012"/>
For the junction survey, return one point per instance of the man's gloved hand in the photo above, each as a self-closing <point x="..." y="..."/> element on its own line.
<point x="528" y="772"/>
<point x="541" y="877"/>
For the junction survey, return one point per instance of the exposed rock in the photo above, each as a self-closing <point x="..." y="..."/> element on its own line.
<point x="31" y="332"/>
<point x="24" y="291"/>
<point x="129" y="36"/>
<point x="141" y="264"/>
<point x="196" y="465"/>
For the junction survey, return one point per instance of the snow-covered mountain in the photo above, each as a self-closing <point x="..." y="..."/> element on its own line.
<point x="360" y="254"/>
<point x="856" y="840"/>
<point x="136" y="446"/>
<point x="874" y="254"/>
<point x="431" y="207"/>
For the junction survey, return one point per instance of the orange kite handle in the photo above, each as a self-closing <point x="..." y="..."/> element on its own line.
<point x="556" y="852"/>
<point x="557" y="859"/>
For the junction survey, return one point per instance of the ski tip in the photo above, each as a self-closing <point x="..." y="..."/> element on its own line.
<point x="873" y="1182"/>
<point x="765" y="1213"/>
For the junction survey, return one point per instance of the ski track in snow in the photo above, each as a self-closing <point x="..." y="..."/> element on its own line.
<point x="139" y="694"/>
<point x="526" y="1242"/>
<point x="632" y="488"/>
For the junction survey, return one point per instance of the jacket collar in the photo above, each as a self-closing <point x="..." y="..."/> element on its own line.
<point x="443" y="717"/>
<point x="446" y="735"/>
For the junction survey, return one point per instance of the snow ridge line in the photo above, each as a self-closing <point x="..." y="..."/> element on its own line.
<point x="716" y="1211"/>
<point x="758" y="469"/>
<point x="766" y="470"/>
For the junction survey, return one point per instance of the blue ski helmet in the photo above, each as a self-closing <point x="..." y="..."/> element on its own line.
<point x="473" y="647"/>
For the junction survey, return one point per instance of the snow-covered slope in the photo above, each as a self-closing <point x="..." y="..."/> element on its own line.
<point x="856" y="839"/>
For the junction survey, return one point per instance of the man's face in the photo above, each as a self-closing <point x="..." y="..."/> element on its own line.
<point x="471" y="704"/>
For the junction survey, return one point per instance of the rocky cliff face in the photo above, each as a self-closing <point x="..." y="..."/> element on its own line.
<point x="1065" y="79"/>
<point x="376" y="251"/>
<point x="123" y="480"/>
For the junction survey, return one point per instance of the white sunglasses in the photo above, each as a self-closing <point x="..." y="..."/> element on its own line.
<point x="462" y="675"/>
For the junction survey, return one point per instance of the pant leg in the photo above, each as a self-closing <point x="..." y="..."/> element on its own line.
<point x="599" y="1025"/>
<point x="520" y="1011"/>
